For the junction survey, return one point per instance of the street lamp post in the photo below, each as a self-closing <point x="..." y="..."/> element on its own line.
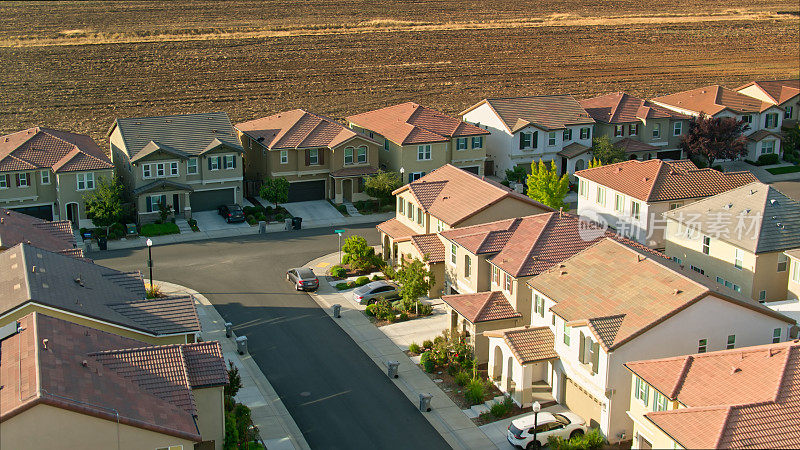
<point x="150" y="261"/>
<point x="536" y="408"/>
<point x="340" y="233"/>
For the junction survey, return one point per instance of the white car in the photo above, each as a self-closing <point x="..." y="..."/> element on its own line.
<point x="566" y="425"/>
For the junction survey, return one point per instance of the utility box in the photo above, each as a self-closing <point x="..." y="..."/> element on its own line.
<point x="425" y="402"/>
<point x="241" y="344"/>
<point x="287" y="224"/>
<point x="228" y="329"/>
<point x="337" y="310"/>
<point x="262" y="227"/>
<point x="392" y="368"/>
<point x="297" y="223"/>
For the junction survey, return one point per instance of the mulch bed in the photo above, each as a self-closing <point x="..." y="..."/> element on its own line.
<point x="383" y="323"/>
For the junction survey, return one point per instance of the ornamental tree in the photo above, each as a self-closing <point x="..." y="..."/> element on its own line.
<point x="358" y="254"/>
<point x="606" y="151"/>
<point x="715" y="138"/>
<point x="415" y="280"/>
<point x="275" y="190"/>
<point x="381" y="185"/>
<point x="104" y="203"/>
<point x="545" y="186"/>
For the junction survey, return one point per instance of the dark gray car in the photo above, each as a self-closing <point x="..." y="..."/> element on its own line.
<point x="303" y="279"/>
<point x="377" y="290"/>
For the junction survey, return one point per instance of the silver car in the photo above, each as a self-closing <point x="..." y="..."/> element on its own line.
<point x="377" y="290"/>
<point x="303" y="279"/>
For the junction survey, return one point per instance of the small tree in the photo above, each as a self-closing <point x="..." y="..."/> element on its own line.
<point x="715" y="138"/>
<point x="517" y="174"/>
<point x="545" y="186"/>
<point x="381" y="185"/>
<point x="594" y="163"/>
<point x="234" y="380"/>
<point x="606" y="152"/>
<point x="415" y="280"/>
<point x="104" y="203"/>
<point x="358" y="254"/>
<point x="791" y="142"/>
<point x="275" y="190"/>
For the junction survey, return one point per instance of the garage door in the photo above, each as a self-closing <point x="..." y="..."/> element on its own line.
<point x="473" y="169"/>
<point x="211" y="200"/>
<point x="581" y="403"/>
<point x="307" y="190"/>
<point x="42" y="212"/>
<point x="670" y="154"/>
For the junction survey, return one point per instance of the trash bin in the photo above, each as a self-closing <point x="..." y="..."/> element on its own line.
<point x="241" y="344"/>
<point x="287" y="224"/>
<point x="262" y="227"/>
<point x="228" y="327"/>
<point x="337" y="310"/>
<point x="102" y="243"/>
<point x="87" y="235"/>
<point x="425" y="402"/>
<point x="297" y="223"/>
<point x="392" y="368"/>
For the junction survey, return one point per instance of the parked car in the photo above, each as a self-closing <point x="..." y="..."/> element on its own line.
<point x="566" y="425"/>
<point x="231" y="213"/>
<point x="377" y="290"/>
<point x="303" y="279"/>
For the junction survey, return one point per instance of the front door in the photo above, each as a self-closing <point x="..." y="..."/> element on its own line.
<point x="347" y="190"/>
<point x="176" y="204"/>
<point x="72" y="214"/>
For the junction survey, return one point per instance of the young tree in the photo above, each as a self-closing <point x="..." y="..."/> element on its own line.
<point x="594" y="163"/>
<point x="791" y="142"/>
<point x="545" y="186"/>
<point x="715" y="138"/>
<point x="415" y="280"/>
<point x="606" y="152"/>
<point x="358" y="253"/>
<point x="234" y="380"/>
<point x="381" y="185"/>
<point x="104" y="203"/>
<point x="275" y="190"/>
<point x="517" y="174"/>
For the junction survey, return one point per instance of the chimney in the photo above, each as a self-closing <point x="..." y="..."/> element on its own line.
<point x="560" y="211"/>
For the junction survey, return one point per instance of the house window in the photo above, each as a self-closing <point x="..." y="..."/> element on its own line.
<point x="567" y="135"/>
<point x="213" y="163"/>
<point x="495" y="275"/>
<point x="771" y="120"/>
<point x="767" y="147"/>
<point x="85" y="181"/>
<point x="787" y="114"/>
<point x="737" y="258"/>
<point x="633" y="129"/>
<point x="582" y="188"/>
<point x="586" y="133"/>
<point x="762" y="296"/>
<point x="674" y="205"/>
<point x="776" y="335"/>
<point x="414" y="176"/>
<point x="424" y="152"/>
<point x="747" y="118"/>
<point x="619" y="130"/>
<point x="509" y="283"/>
<point x="656" y="130"/>
<point x="795" y="268"/>
<point x="439" y="226"/>
<point x="477" y="142"/>
<point x="731" y="342"/>
<point x="191" y="166"/>
<point x="702" y="345"/>
<point x="22" y="180"/>
<point x="146" y="171"/>
<point x="539" y="305"/>
<point x="677" y="260"/>
<point x="619" y="204"/>
<point x="551" y="138"/>
<point x="386" y="144"/>
<point x="461" y="143"/>
<point x="230" y="161"/>
<point x="706" y="245"/>
<point x="677" y="128"/>
<point x="453" y="253"/>
<point x="45" y="176"/>
<point x="173" y="169"/>
<point x="348" y="155"/>
<point x="4" y="182"/>
<point x="361" y="155"/>
<point x="313" y="157"/>
<point x="635" y="208"/>
<point x="467" y="266"/>
<point x="161" y="170"/>
<point x="601" y="196"/>
<point x="410" y="211"/>
<point x="153" y="202"/>
<point x="171" y="447"/>
<point x="400" y="204"/>
<point x="419" y="215"/>
<point x="659" y="401"/>
<point x="525" y="140"/>
<point x="783" y="260"/>
<point x="642" y="391"/>
<point x="566" y="330"/>
<point x="697" y="269"/>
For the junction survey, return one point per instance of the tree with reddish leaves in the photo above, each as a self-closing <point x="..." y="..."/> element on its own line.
<point x="715" y="138"/>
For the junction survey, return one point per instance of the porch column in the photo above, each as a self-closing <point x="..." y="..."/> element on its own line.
<point x="508" y="373"/>
<point x="187" y="206"/>
<point x="525" y="386"/>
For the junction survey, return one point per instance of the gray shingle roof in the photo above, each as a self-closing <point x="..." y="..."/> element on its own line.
<point x="162" y="183"/>
<point x="193" y="134"/>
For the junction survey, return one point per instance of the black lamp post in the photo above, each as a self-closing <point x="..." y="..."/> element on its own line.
<point x="536" y="408"/>
<point x="150" y="261"/>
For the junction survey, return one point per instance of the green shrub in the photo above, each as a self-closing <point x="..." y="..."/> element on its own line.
<point x="403" y="317"/>
<point x="592" y="440"/>
<point x="427" y="343"/>
<point x="342" y="286"/>
<point x="467" y="363"/>
<point x="438" y="340"/>
<point x="500" y="409"/>
<point x="249" y="210"/>
<point x="370" y="311"/>
<point x="261" y="217"/>
<point x="338" y="271"/>
<point x="360" y="281"/>
<point x="377" y="278"/>
<point x="250" y="219"/>
<point x="427" y="362"/>
<point x="770" y="158"/>
<point x="397" y="305"/>
<point x="462" y="378"/>
<point x="453" y="369"/>
<point x="351" y="284"/>
<point x="159" y="229"/>
<point x="475" y="392"/>
<point x="414" y="348"/>
<point x="425" y="310"/>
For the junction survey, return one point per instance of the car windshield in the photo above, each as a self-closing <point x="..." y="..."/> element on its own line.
<point x="514" y="430"/>
<point x="235" y="208"/>
<point x="560" y="418"/>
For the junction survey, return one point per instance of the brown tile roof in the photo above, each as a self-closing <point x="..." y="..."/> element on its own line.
<point x="105" y="375"/>
<point x="712" y="100"/>
<point x="528" y="345"/>
<point x="630" y="145"/>
<point x="482" y="307"/>
<point x="620" y="107"/>
<point x="167" y="315"/>
<point x="354" y="171"/>
<point x="761" y="134"/>
<point x="430" y="245"/>
<point x="573" y="150"/>
<point x="55" y="236"/>
<point x="297" y="129"/>
<point x="453" y="195"/>
<point x="657" y="181"/>
<point x="780" y="91"/>
<point x="396" y="230"/>
<point x="410" y="123"/>
<point x="43" y="148"/>
<point x="625" y="292"/>
<point x="740" y="398"/>
<point x="548" y="112"/>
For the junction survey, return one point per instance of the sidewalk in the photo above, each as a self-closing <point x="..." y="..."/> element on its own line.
<point x="447" y="418"/>
<point x="276" y="427"/>
<point x="760" y="172"/>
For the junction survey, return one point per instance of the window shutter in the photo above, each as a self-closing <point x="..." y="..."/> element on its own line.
<point x="163" y="200"/>
<point x="234" y="161"/>
<point x="595" y="356"/>
<point x="535" y="139"/>
<point x="149" y="202"/>
<point x="209" y="162"/>
<point x="308" y="157"/>
<point x="521" y="140"/>
<point x="321" y="156"/>
<point x="17" y="176"/>
<point x="410" y="177"/>
<point x="582" y="349"/>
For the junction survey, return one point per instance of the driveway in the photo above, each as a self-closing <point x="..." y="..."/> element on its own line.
<point x="210" y="221"/>
<point x="315" y="212"/>
<point x="336" y="394"/>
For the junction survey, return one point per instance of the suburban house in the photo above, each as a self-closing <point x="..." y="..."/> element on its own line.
<point x="793" y="288"/>
<point x="55" y="236"/>
<point x="783" y="93"/>
<point x="417" y="139"/>
<point x="71" y="386"/>
<point x="632" y="196"/>
<point x="487" y="268"/>
<point x="738" y="238"/>
<point x="320" y="158"/>
<point x="45" y="173"/>
<point x="611" y="304"/>
<point x="446" y="198"/>
<point x="764" y="119"/>
<point x="553" y="128"/>
<point x="641" y="128"/>
<point x="79" y="291"/>
<point x="189" y="162"/>
<point x="738" y="398"/>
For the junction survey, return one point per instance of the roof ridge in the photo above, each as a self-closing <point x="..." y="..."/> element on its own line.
<point x="687" y="364"/>
<point x="782" y="378"/>
<point x="657" y="180"/>
<point x="615" y="108"/>
<point x="279" y="136"/>
<point x="724" y="425"/>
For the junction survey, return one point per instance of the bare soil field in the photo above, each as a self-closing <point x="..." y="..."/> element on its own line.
<point x="77" y="66"/>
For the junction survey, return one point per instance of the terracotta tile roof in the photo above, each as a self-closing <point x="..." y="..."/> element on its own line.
<point x="548" y="112"/>
<point x="620" y="107"/>
<point x="102" y="374"/>
<point x="712" y="100"/>
<point x="482" y="307"/>
<point x="55" y="236"/>
<point x="453" y="195"/>
<point x="755" y="217"/>
<point x="757" y="136"/>
<point x="410" y="123"/>
<point x="528" y="345"/>
<point x="780" y="91"/>
<point x="630" y="145"/>
<point x="657" y="181"/>
<point x="354" y="171"/>
<point x="396" y="230"/>
<point x="298" y="129"/>
<point x="45" y="148"/>
<point x="740" y="398"/>
<point x="627" y="290"/>
<point x="430" y="245"/>
<point x="573" y="150"/>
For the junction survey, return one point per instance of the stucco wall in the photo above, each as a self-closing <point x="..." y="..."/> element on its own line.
<point x="211" y="414"/>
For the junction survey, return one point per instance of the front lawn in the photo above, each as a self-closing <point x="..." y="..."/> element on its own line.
<point x="159" y="229"/>
<point x="782" y="170"/>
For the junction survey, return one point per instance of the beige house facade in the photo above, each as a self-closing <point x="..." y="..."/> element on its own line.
<point x="783" y="93"/>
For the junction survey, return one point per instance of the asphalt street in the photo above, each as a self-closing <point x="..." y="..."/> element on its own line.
<point x="337" y="396"/>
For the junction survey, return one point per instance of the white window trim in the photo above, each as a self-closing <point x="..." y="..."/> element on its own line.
<point x="232" y="160"/>
<point x="85" y="178"/>
<point x="44" y="175"/>
<point x="359" y="151"/>
<point x="284" y="157"/>
<point x="189" y="166"/>
<point x="27" y="179"/>
<point x="677" y="128"/>
<point x="215" y="161"/>
<point x="352" y="156"/>
<point x="424" y="152"/>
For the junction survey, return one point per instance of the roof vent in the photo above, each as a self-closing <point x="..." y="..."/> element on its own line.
<point x="676" y="291"/>
<point x="752" y="191"/>
<point x="85" y="363"/>
<point x="728" y="206"/>
<point x="44" y="343"/>
<point x="563" y="272"/>
<point x="137" y="123"/>
<point x="33" y="269"/>
<point x="735" y="369"/>
<point x="773" y="202"/>
<point x="2" y="220"/>
<point x="79" y="281"/>
<point x="214" y="131"/>
<point x="261" y="139"/>
<point x="168" y="121"/>
<point x="8" y="213"/>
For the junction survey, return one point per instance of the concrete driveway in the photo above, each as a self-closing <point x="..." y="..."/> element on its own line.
<point x="315" y="212"/>
<point x="210" y="221"/>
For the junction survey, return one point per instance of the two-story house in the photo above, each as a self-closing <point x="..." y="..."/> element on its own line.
<point x="55" y="236"/>
<point x="611" y="304"/>
<point x="417" y="139"/>
<point x="552" y="128"/>
<point x="446" y="198"/>
<point x="189" y="162"/>
<point x="632" y="196"/>
<point x="320" y="158"/>
<point x="783" y="93"/>
<point x="737" y="398"/>
<point x="640" y="127"/>
<point x="45" y="173"/>
<point x="738" y="238"/>
<point x="764" y="119"/>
